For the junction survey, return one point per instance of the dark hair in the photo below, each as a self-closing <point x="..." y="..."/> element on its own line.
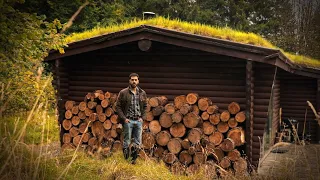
<point x="133" y="74"/>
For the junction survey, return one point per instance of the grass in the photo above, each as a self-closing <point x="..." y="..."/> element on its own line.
<point x="195" y="28"/>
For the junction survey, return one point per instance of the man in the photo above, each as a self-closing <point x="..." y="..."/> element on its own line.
<point x="131" y="105"/>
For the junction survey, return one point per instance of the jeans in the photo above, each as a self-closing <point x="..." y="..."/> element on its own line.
<point x="132" y="129"/>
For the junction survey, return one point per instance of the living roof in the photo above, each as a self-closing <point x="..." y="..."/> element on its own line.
<point x="224" y="33"/>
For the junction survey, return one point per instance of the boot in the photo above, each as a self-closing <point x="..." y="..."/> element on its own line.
<point x="126" y="153"/>
<point x="134" y="154"/>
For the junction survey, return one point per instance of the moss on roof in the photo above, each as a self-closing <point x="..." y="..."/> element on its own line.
<point x="199" y="29"/>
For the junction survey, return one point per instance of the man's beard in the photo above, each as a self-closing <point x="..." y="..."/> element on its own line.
<point x="133" y="85"/>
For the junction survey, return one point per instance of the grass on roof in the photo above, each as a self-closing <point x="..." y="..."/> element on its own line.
<point x="225" y="33"/>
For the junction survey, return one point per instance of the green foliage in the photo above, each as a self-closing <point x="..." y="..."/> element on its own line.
<point x="25" y="40"/>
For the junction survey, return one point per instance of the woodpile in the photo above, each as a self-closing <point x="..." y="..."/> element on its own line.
<point x="187" y="133"/>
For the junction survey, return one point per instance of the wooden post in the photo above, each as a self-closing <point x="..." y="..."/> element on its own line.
<point x="249" y="108"/>
<point x="60" y="104"/>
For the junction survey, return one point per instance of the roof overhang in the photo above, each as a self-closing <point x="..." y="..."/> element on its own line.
<point x="187" y="40"/>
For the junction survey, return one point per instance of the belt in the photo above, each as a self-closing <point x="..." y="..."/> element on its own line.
<point x="134" y="118"/>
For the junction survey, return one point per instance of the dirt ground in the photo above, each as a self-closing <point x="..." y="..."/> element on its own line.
<point x="292" y="162"/>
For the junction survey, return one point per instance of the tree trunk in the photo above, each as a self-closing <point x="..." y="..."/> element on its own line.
<point x="212" y="109"/>
<point x="169" y="108"/>
<point x="154" y="126"/>
<point x="66" y="124"/>
<point x="176" y="117"/>
<point x="225" y="116"/>
<point x="214" y="118"/>
<point x="162" y="138"/>
<point x="191" y="120"/>
<point x="194" y="135"/>
<point x="204" y="103"/>
<point x="165" y="120"/>
<point x="185" y="158"/>
<point x="240" y="116"/>
<point x="233" y="108"/>
<point x="208" y="128"/>
<point x="216" y="138"/>
<point x="179" y="101"/>
<point x="148" y="140"/>
<point x="192" y="98"/>
<point x="174" y="145"/>
<point x="177" y="130"/>
<point x="223" y="127"/>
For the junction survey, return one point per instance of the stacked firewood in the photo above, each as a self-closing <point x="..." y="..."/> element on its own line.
<point x="192" y="131"/>
<point x="92" y="123"/>
<point x="185" y="134"/>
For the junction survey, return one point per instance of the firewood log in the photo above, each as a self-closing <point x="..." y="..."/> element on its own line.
<point x="93" y="117"/>
<point x="192" y="98"/>
<point x="215" y="118"/>
<point x="240" y="116"/>
<point x="74" y="131"/>
<point x="75" y="120"/>
<point x="157" y="111"/>
<point x="169" y="158"/>
<point x="234" y="108"/>
<point x="82" y="115"/>
<point x="225" y="116"/>
<point x="149" y="116"/>
<point x="68" y="114"/>
<point x="105" y="103"/>
<point x="165" y="120"/>
<point x="240" y="165"/>
<point x="114" y="119"/>
<point x="66" y="138"/>
<point x="185" y="144"/>
<point x="92" y="104"/>
<point x="162" y="138"/>
<point x="223" y="127"/>
<point x="199" y="158"/>
<point x="216" y="138"/>
<point x="185" y="109"/>
<point x="205" y="115"/>
<point x="88" y="112"/>
<point x="69" y="104"/>
<point x="66" y="124"/>
<point x="194" y="135"/>
<point x="174" y="145"/>
<point x="185" y="158"/>
<point x="163" y="100"/>
<point x="102" y="117"/>
<point x="158" y="152"/>
<point x="109" y="112"/>
<point x="176" y="117"/>
<point x="191" y="120"/>
<point x="154" y="126"/>
<point x="232" y="123"/>
<point x="117" y="146"/>
<point x="75" y="110"/>
<point x="169" y="108"/>
<point x="82" y="127"/>
<point x="177" y="130"/>
<point x="99" y="109"/>
<point x="177" y="168"/>
<point x="212" y="109"/>
<point x="208" y="128"/>
<point x="107" y="95"/>
<point x="82" y="106"/>
<point x="237" y="135"/>
<point x="76" y="140"/>
<point x="179" y="101"/>
<point x="154" y="102"/>
<point x="204" y="103"/>
<point x="227" y="145"/>
<point x="195" y="109"/>
<point x="193" y="169"/>
<point x="234" y="155"/>
<point x="148" y="140"/>
<point x="225" y="162"/>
